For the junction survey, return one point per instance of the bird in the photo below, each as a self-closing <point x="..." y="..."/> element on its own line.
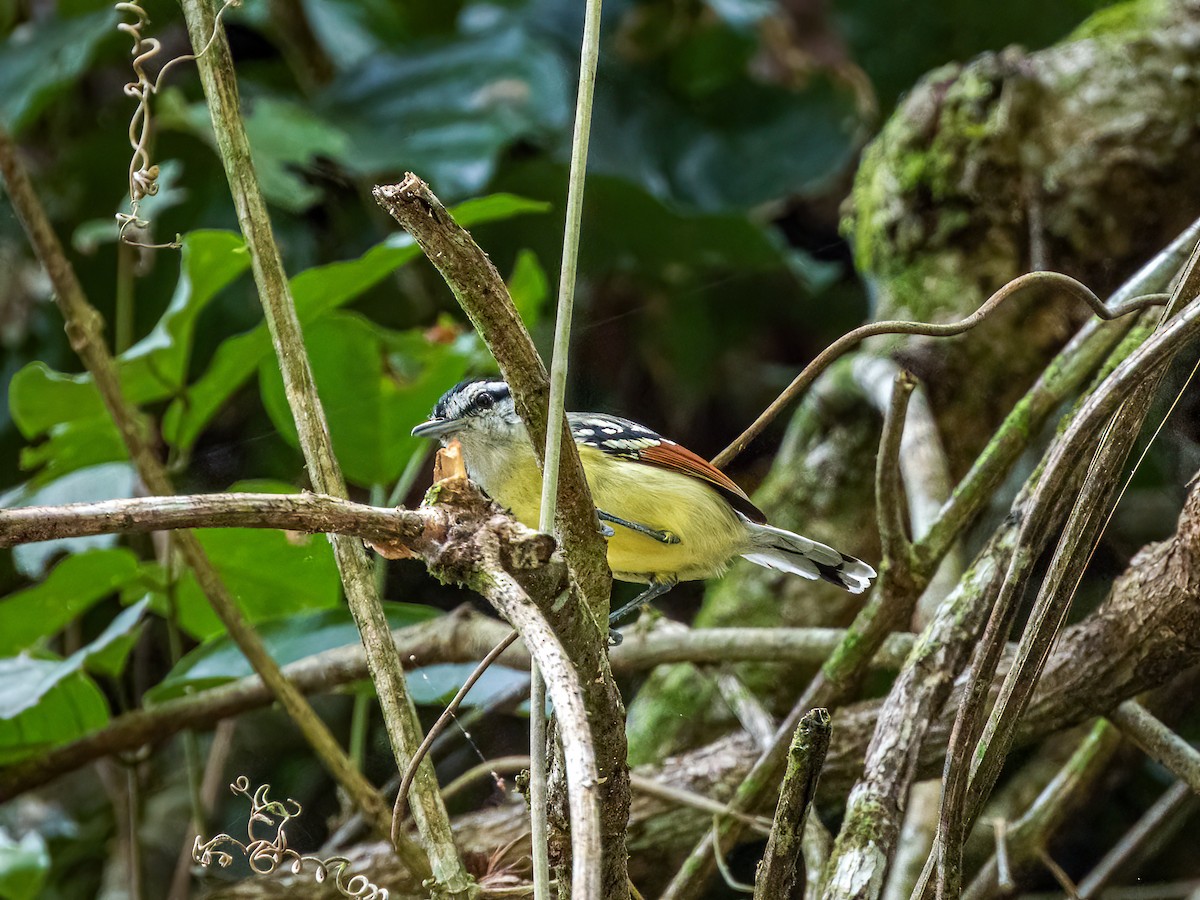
<point x="668" y="514"/>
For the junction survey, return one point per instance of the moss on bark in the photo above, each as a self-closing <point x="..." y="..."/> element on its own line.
<point x="1073" y="158"/>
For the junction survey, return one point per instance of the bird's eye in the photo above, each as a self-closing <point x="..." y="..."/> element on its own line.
<point x="485" y="401"/>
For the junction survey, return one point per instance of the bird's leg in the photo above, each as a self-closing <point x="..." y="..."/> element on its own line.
<point x="663" y="537"/>
<point x="655" y="589"/>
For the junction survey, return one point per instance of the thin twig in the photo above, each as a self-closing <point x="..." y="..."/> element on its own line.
<point x="1004" y="879"/>
<point x="850" y="340"/>
<point x="777" y="871"/>
<point x="1160" y="820"/>
<point x="400" y="809"/>
<point x="538" y="749"/>
<point x="1159" y="742"/>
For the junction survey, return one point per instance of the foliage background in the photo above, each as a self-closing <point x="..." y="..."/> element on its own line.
<point x="726" y="136"/>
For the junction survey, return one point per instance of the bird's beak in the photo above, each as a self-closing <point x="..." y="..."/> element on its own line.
<point x="435" y="428"/>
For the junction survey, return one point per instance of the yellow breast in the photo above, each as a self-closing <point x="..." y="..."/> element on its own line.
<point x="710" y="533"/>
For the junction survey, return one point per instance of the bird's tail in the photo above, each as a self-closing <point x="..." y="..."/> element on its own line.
<point x="779" y="549"/>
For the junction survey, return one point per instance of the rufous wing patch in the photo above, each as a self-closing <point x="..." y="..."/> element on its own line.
<point x="669" y="455"/>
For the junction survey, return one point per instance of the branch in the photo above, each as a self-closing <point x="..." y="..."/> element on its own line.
<point x="777" y="871"/>
<point x="461" y="637"/>
<point x="484" y="297"/>
<point x="582" y="626"/>
<point x="309" y="513"/>
<point x="889" y="493"/>
<point x="1159" y="742"/>
<point x="85" y="329"/>
<point x="404" y="731"/>
<point x="1122" y="401"/>
<point x="1160" y="821"/>
<point x="852" y="339"/>
<point x="497" y="557"/>
<point x="1094" y="668"/>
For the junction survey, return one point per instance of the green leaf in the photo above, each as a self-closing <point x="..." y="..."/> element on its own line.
<point x="627" y="229"/>
<point x="316" y="292"/>
<point x="374" y="386"/>
<point x="113" y="481"/>
<point x="448" y="108"/>
<point x="435" y="685"/>
<point x="269" y="574"/>
<point x="37" y="63"/>
<point x="72" y="446"/>
<point x="152" y="369"/>
<point x="71" y="707"/>
<point x="218" y="659"/>
<point x="24" y="681"/>
<point x="528" y="286"/>
<point x="283" y="135"/>
<point x="93" y="233"/>
<point x="693" y="151"/>
<point x="24" y="866"/>
<point x="73" y="587"/>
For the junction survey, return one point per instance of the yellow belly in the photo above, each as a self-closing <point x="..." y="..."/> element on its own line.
<point x="710" y="533"/>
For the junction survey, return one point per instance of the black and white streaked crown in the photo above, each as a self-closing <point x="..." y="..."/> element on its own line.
<point x="471" y="397"/>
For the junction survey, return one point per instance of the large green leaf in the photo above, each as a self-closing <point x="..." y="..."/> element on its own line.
<point x="316" y="292"/>
<point x="24" y="680"/>
<point x="74" y="586"/>
<point x="152" y="369"/>
<point x="218" y="659"/>
<point x="283" y="136"/>
<point x="374" y="386"/>
<point x="742" y="145"/>
<point x="269" y="573"/>
<point x="113" y="481"/>
<point x="70" y="707"/>
<point x="71" y="446"/>
<point x="447" y="108"/>
<point x="39" y="62"/>
<point x="435" y="685"/>
<point x="24" y="865"/>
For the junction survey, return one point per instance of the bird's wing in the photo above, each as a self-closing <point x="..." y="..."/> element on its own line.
<point x="621" y="437"/>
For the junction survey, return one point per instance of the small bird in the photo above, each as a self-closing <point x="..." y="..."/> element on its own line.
<point x="671" y="516"/>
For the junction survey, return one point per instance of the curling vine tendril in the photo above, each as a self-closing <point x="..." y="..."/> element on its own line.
<point x="143" y="175"/>
<point x="267" y="855"/>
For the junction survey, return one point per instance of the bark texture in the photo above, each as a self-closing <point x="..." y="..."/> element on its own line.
<point x="1072" y="158"/>
<point x="1093" y="669"/>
